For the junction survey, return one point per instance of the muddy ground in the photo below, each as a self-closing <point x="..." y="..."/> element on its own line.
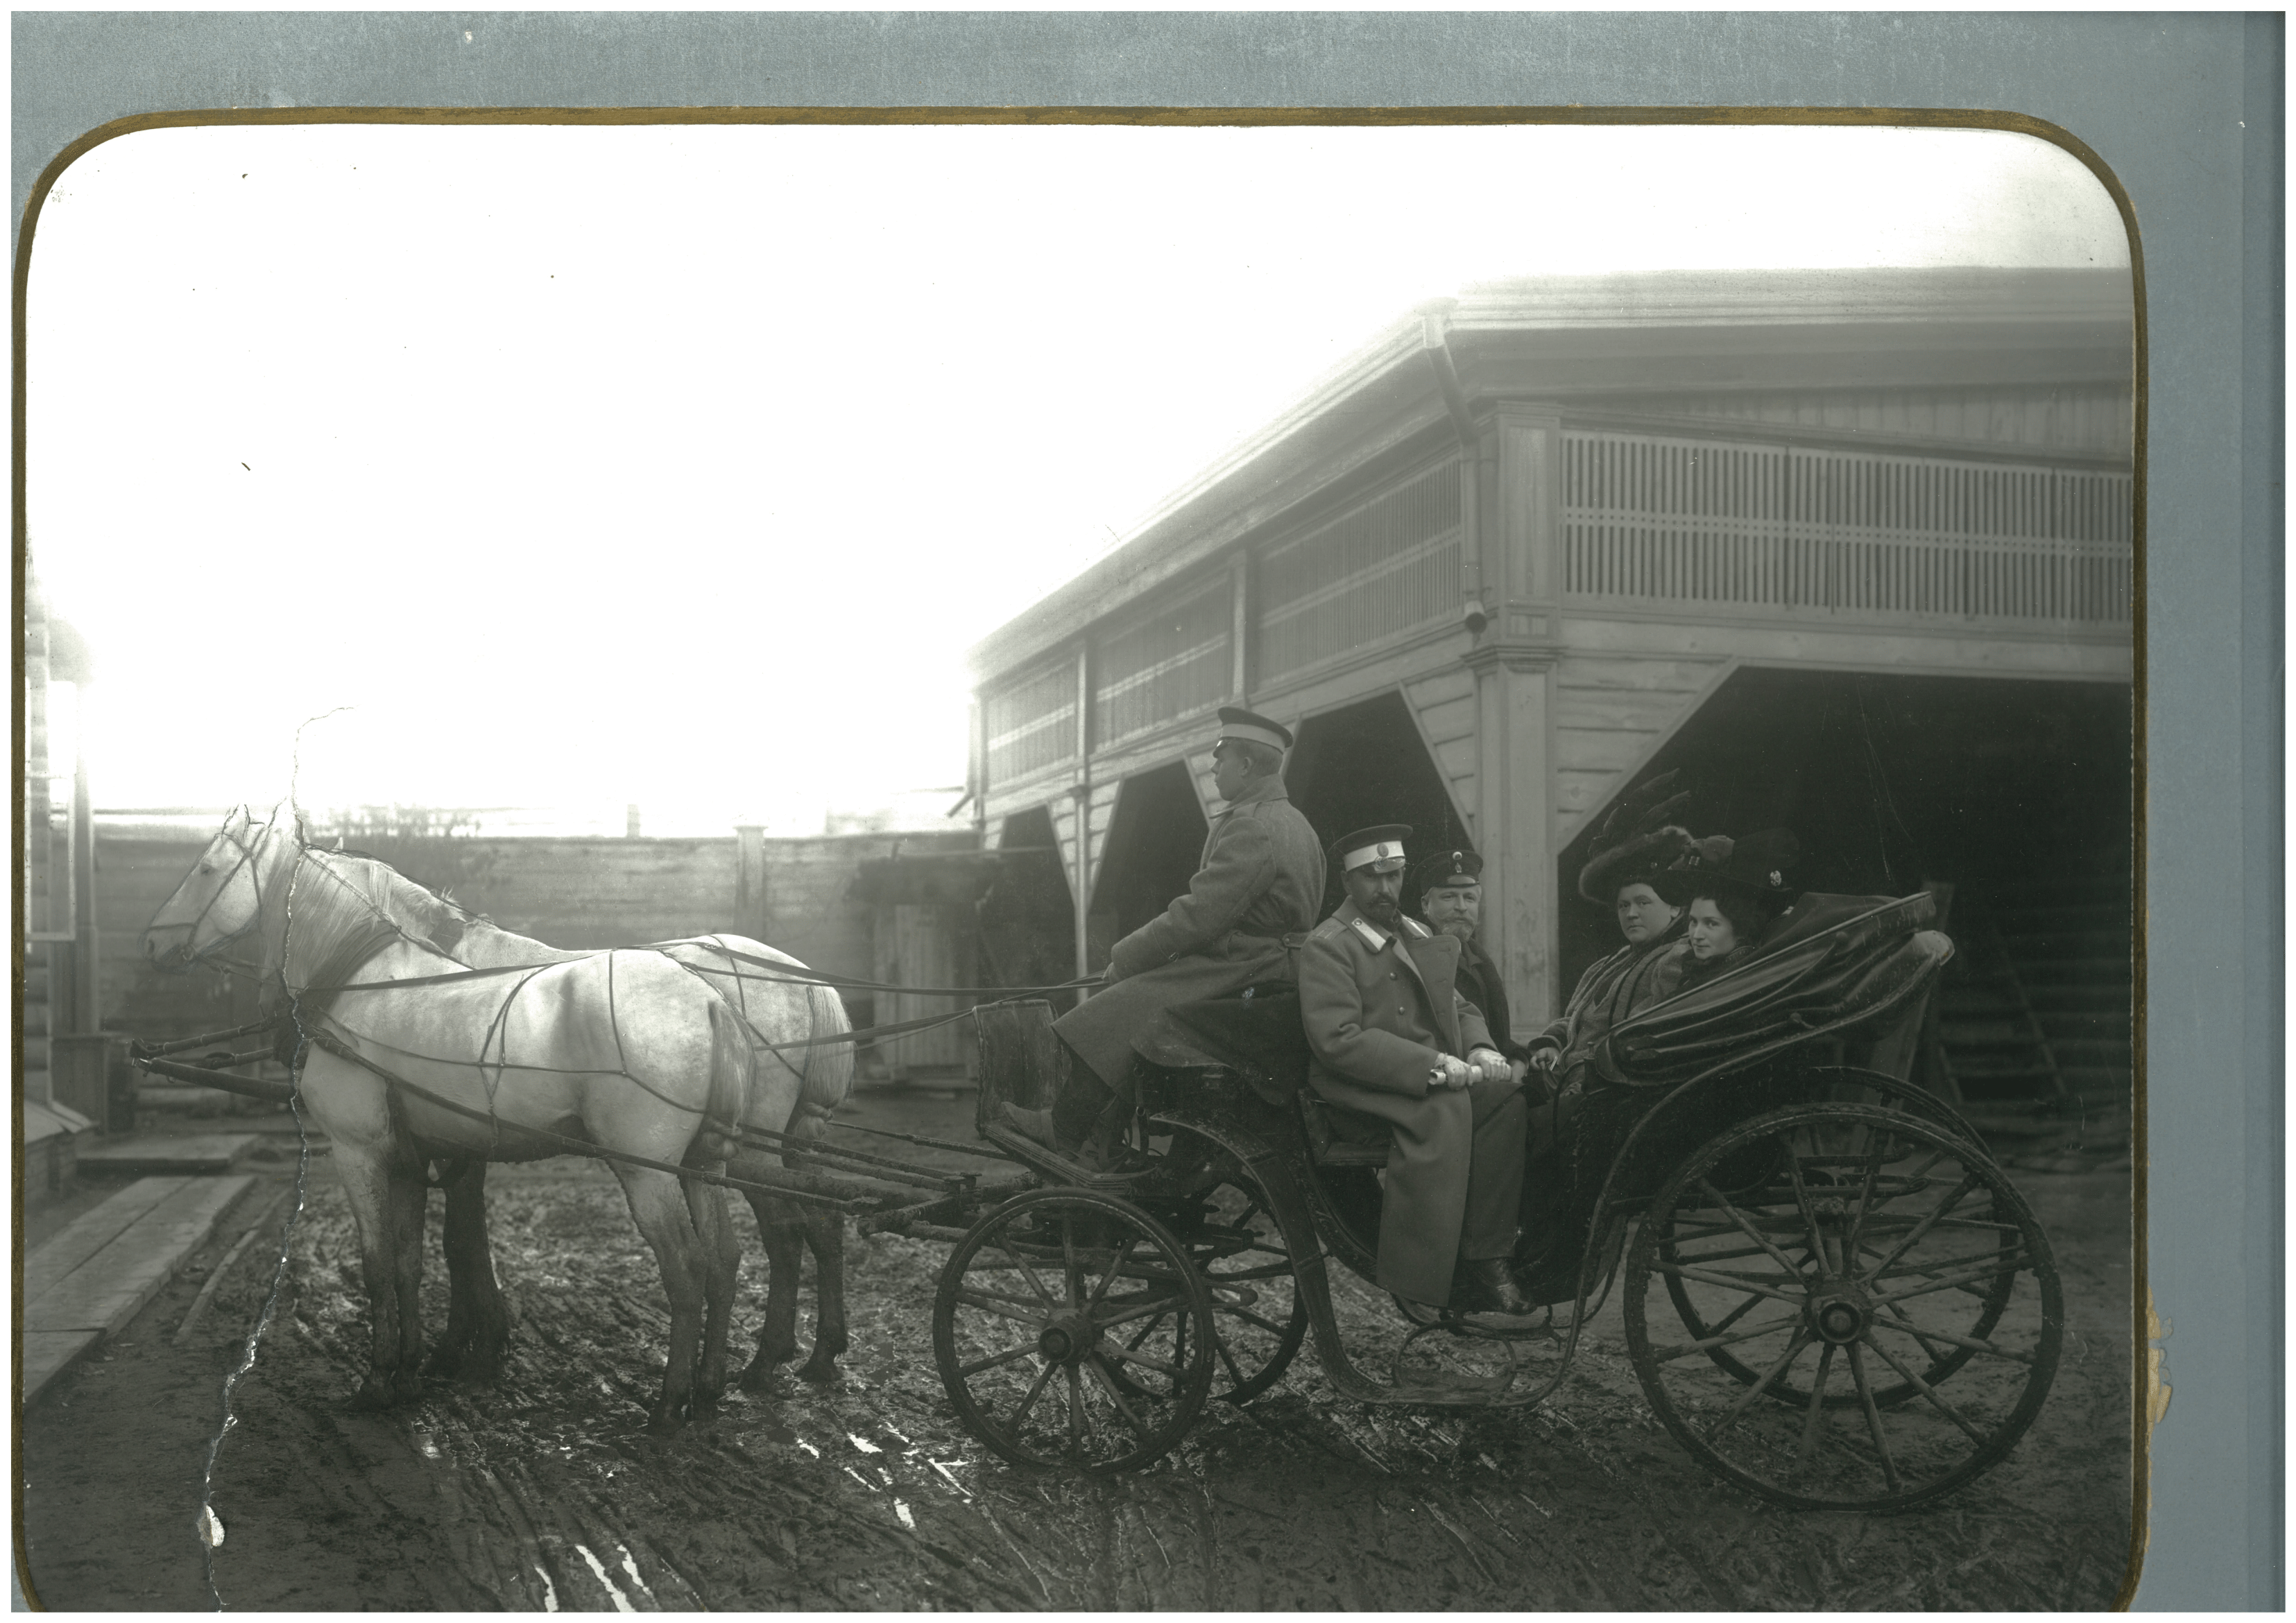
<point x="546" y="1493"/>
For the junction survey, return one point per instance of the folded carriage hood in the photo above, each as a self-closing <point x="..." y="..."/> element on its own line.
<point x="1833" y="964"/>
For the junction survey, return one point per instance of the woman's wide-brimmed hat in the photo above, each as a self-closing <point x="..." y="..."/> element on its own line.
<point x="1636" y="841"/>
<point x="1756" y="866"/>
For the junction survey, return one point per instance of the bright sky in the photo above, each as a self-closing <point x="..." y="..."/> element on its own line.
<point x="681" y="465"/>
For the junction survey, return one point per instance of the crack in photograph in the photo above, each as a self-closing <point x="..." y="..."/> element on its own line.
<point x="1278" y="863"/>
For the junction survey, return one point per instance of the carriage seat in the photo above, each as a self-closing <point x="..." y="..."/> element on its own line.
<point x="1338" y="1136"/>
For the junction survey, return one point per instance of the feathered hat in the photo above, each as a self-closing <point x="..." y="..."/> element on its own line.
<point x="1636" y="841"/>
<point x="1755" y="865"/>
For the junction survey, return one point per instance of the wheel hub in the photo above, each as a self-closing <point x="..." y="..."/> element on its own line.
<point x="1068" y="1338"/>
<point x="1840" y="1315"/>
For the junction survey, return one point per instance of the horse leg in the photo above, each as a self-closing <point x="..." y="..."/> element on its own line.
<point x="784" y="1237"/>
<point x="658" y="1204"/>
<point x="410" y="1198"/>
<point x="824" y="1233"/>
<point x="478" y="1322"/>
<point x="721" y="1253"/>
<point x="375" y="1185"/>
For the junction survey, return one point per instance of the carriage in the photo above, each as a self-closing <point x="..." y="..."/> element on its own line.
<point x="1829" y="1291"/>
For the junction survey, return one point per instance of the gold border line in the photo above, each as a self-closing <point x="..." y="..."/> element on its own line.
<point x="2141" y="1375"/>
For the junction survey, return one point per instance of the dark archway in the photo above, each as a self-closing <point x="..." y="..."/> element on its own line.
<point x="2019" y="794"/>
<point x="1026" y="931"/>
<point x="1367" y="764"/>
<point x="1155" y="840"/>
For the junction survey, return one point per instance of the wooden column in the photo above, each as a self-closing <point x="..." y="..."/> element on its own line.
<point x="751" y="902"/>
<point x="1514" y="661"/>
<point x="1080" y="879"/>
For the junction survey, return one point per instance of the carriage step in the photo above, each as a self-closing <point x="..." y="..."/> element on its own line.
<point x="1051" y="1164"/>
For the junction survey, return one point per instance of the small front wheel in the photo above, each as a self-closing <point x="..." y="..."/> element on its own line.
<point x="1070" y="1329"/>
<point x="1842" y="1305"/>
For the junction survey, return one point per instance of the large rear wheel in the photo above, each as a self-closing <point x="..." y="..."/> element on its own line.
<point x="1873" y="1316"/>
<point x="1071" y="1328"/>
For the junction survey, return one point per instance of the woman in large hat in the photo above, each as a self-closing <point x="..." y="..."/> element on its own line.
<point x="1729" y="902"/>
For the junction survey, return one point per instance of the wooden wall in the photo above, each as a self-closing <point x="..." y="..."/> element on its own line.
<point x="578" y="892"/>
<point x="2096" y="417"/>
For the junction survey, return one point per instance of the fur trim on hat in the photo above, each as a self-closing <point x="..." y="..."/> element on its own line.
<point x="1635" y="860"/>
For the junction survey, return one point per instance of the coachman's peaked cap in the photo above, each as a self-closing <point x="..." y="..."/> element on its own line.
<point x="1249" y="726"/>
<point x="1448" y="868"/>
<point x="1379" y="848"/>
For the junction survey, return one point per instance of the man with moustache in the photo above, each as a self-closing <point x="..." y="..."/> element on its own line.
<point x="1448" y="890"/>
<point x="1391" y="1037"/>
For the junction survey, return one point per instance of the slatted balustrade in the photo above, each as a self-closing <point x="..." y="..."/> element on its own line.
<point x="1177" y="661"/>
<point x="1031" y="722"/>
<point x="1384" y="567"/>
<point x="1768" y="529"/>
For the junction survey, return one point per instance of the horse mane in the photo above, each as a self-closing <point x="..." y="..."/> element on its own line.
<point x="371" y="886"/>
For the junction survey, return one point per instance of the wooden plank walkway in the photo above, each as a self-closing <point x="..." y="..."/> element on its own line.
<point x="89" y="1281"/>
<point x="166" y="1152"/>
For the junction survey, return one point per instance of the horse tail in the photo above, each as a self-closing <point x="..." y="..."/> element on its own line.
<point x="733" y="1072"/>
<point x="828" y="1076"/>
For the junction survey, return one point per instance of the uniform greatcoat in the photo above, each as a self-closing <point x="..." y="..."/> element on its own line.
<point x="1381" y="1012"/>
<point x="1261" y="879"/>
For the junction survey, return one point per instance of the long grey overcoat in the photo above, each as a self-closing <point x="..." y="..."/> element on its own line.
<point x="1261" y="879"/>
<point x="1381" y="1012"/>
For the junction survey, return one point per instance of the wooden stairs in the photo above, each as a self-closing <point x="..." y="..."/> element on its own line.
<point x="2031" y="1032"/>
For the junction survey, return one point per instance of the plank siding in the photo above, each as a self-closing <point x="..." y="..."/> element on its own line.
<point x="1611" y="715"/>
<point x="1444" y="703"/>
<point x="2089" y="417"/>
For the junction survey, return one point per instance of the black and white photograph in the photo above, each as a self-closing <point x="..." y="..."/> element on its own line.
<point x="1080" y="863"/>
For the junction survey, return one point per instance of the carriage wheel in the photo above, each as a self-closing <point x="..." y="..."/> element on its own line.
<point x="1259" y="1311"/>
<point x="1038" y="1329"/>
<point x="1890" y="1307"/>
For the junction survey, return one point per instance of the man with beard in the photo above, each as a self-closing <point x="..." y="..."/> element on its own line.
<point x="1391" y="1037"/>
<point x="1449" y="889"/>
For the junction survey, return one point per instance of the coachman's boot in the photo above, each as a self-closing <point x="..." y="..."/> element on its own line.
<point x="1491" y="1288"/>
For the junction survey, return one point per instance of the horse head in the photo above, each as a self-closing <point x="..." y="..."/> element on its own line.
<point x="220" y="900"/>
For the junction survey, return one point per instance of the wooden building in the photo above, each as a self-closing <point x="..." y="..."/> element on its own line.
<point x="1499" y="565"/>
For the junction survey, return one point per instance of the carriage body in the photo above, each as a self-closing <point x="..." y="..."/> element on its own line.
<point x="1810" y="1247"/>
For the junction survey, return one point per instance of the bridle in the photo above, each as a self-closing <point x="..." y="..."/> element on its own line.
<point x="217" y="951"/>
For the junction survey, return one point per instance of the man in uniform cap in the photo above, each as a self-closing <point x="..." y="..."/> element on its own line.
<point x="1260" y="880"/>
<point x="1447" y="889"/>
<point x="1391" y="1037"/>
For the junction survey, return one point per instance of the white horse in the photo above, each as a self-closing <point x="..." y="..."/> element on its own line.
<point x="795" y="1024"/>
<point x="628" y="1050"/>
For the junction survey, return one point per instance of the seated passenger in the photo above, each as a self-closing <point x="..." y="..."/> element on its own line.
<point x="1392" y="1037"/>
<point x="1731" y="904"/>
<point x="1634" y="844"/>
<point x="1448" y="887"/>
<point x="1260" y="880"/>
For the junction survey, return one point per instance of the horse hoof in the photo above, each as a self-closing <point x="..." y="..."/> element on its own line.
<point x="820" y="1372"/>
<point x="761" y="1377"/>
<point x="375" y="1394"/>
<point x="661" y="1422"/>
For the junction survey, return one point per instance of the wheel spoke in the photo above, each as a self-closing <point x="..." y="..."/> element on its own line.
<point x="1745" y="1228"/>
<point x="1926" y="1390"/>
<point x="1726" y="1283"/>
<point x="1219" y="1346"/>
<point x="1036" y="1387"/>
<point x="1865" y="1201"/>
<point x="2010" y="1266"/>
<point x="1076" y="1407"/>
<point x="1071" y="1273"/>
<point x="1248" y="1316"/>
<point x="1003" y="1307"/>
<point x="1122" y="1257"/>
<point x="1129" y="1357"/>
<point x="1115" y="1396"/>
<point x="2012" y="1260"/>
<point x="1746" y="1397"/>
<point x="1666" y="1355"/>
<point x="1872" y="1419"/>
<point x="1972" y="1342"/>
<point x="1908" y="1327"/>
<point x="1158" y="1305"/>
<point x="1021" y="1263"/>
<point x="1969" y="1181"/>
<point x="1816" y="1409"/>
<point x="1801" y="1200"/>
<point x="994" y="1359"/>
